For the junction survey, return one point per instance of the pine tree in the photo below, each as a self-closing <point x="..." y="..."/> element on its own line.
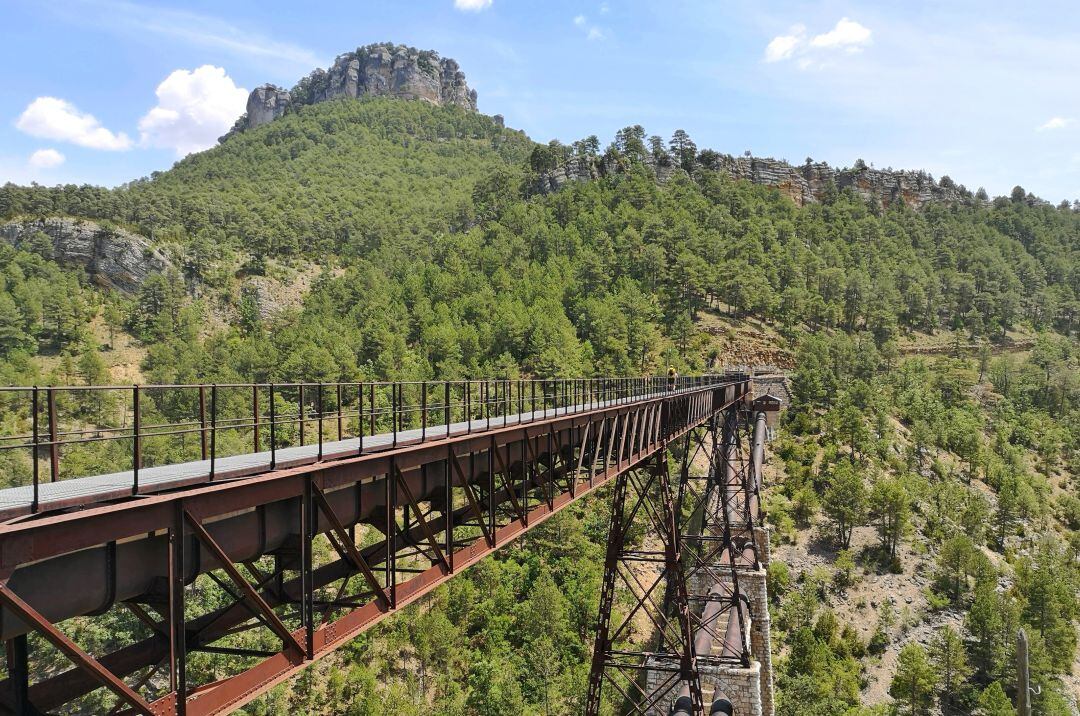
<point x="844" y="502"/>
<point x="950" y="662"/>
<point x="994" y="702"/>
<point x="890" y="508"/>
<point x="914" y="682"/>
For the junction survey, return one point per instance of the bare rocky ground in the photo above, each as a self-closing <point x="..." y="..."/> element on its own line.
<point x="859" y="605"/>
<point x="743" y="341"/>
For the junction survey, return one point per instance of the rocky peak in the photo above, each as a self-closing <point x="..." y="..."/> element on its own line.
<point x="381" y="70"/>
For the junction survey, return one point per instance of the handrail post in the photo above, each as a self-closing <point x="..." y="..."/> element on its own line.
<point x="54" y="448"/>
<point x="273" y="430"/>
<point x="213" y="430"/>
<point x="136" y="445"/>
<point x="301" y="396"/>
<point x="394" y="391"/>
<point x="446" y="407"/>
<point x="360" y="415"/>
<point x="319" y="423"/>
<point x="34" y="450"/>
<point x="468" y="406"/>
<point x="371" y="405"/>
<point x="423" y="411"/>
<point x="202" y="420"/>
<point x="340" y="428"/>
<point x="255" y="413"/>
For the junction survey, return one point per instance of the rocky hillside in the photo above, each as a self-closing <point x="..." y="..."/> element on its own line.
<point x="809" y="183"/>
<point x="379" y="70"/>
<point x="386" y="69"/>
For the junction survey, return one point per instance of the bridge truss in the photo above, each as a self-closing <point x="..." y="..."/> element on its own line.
<point x="301" y="558"/>
<point x="682" y="581"/>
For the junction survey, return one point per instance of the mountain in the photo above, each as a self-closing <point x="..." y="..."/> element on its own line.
<point x="389" y="70"/>
<point x="339" y="176"/>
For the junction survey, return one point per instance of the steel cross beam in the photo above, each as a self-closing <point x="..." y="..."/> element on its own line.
<point x="72" y="650"/>
<point x="701" y="617"/>
<point x="524" y="473"/>
<point x="623" y="667"/>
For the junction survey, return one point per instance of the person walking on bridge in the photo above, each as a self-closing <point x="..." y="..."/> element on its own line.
<point x="672" y="377"/>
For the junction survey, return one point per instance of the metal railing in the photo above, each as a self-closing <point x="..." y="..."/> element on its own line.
<point x="64" y="432"/>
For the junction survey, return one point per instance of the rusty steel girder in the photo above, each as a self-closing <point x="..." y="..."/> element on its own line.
<point x="303" y="558"/>
<point x="688" y="588"/>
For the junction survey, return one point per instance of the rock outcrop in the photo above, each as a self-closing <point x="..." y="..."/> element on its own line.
<point x="811" y="182"/>
<point x="379" y="70"/>
<point x="112" y="258"/>
<point x="806" y="184"/>
<point x="265" y="104"/>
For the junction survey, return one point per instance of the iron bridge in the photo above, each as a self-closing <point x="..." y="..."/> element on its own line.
<point x="312" y="512"/>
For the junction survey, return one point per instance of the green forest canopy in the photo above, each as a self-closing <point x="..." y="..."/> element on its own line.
<point x="450" y="266"/>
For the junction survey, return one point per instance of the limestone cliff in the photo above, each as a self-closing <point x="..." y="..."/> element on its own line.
<point x="382" y="69"/>
<point x="809" y="183"/>
<point x="806" y="184"/>
<point x="113" y="258"/>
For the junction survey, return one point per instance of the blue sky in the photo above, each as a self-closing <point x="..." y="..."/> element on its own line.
<point x="104" y="91"/>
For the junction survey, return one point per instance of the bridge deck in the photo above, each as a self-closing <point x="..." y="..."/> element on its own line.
<point x="72" y="492"/>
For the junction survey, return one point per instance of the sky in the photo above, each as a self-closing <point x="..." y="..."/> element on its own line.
<point x="106" y="91"/>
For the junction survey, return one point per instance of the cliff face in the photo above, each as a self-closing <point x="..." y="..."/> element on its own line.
<point x="382" y="70"/>
<point x="806" y="184"/>
<point x="113" y="258"/>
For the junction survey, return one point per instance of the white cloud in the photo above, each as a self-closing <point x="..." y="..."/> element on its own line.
<point x="45" y="159"/>
<point x="194" y="108"/>
<point x="1054" y="123"/>
<point x="604" y="8"/>
<point x="592" y="32"/>
<point x="472" y="5"/>
<point x="782" y="47"/>
<point x="848" y="35"/>
<point x="53" y="118"/>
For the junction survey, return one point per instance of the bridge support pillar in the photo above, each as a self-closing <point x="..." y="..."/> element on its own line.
<point x="740" y="685"/>
<point x="761" y="543"/>
<point x="755" y="588"/>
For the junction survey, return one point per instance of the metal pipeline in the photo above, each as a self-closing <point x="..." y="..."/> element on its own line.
<point x="683" y="706"/>
<point x="721" y="706"/>
<point x="757" y="455"/>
